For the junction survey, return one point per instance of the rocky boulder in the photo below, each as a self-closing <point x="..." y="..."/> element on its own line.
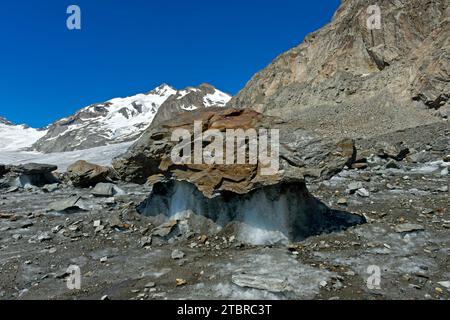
<point x="274" y="201"/>
<point x="31" y="174"/>
<point x="84" y="174"/>
<point x="34" y="168"/>
<point x="301" y="153"/>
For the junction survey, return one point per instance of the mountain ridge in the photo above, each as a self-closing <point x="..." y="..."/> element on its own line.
<point x="123" y="119"/>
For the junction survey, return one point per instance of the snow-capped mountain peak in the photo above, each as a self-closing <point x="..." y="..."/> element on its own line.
<point x="5" y="122"/>
<point x="124" y="119"/>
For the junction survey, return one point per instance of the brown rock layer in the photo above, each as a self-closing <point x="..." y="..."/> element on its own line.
<point x="301" y="154"/>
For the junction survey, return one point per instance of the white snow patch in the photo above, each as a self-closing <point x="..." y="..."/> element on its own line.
<point x="99" y="155"/>
<point x="188" y="108"/>
<point x="218" y="98"/>
<point x="18" y="137"/>
<point x="431" y="167"/>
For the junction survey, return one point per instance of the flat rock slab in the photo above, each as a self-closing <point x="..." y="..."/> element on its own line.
<point x="34" y="168"/>
<point x="408" y="227"/>
<point x="106" y="190"/>
<point x="70" y="203"/>
<point x="262" y="282"/>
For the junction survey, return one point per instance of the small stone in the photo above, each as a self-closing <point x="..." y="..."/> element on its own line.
<point x="50" y="187"/>
<point x="342" y="201"/>
<point x="408" y="227"/>
<point x="359" y="166"/>
<point x="105" y="297"/>
<point x="177" y="254"/>
<point x="445" y="284"/>
<point x="354" y="186"/>
<point x="390" y="186"/>
<point x="43" y="236"/>
<point x="6" y="215"/>
<point x="363" y="192"/>
<point x="57" y="229"/>
<point x="97" y="223"/>
<point x="73" y="228"/>
<point x="181" y="282"/>
<point x="150" y="285"/>
<point x="392" y="164"/>
<point x="323" y="284"/>
<point x="104" y="259"/>
<point x="203" y="239"/>
<point x="115" y="222"/>
<point x="26" y="225"/>
<point x="165" y="229"/>
<point x="428" y="211"/>
<point x="146" y="241"/>
<point x="17" y="236"/>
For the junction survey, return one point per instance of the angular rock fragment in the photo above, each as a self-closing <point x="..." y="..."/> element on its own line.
<point x="397" y="152"/>
<point x="165" y="229"/>
<point x="32" y="174"/>
<point x="84" y="174"/>
<point x="145" y="241"/>
<point x="177" y="254"/>
<point x="408" y="227"/>
<point x="70" y="204"/>
<point x="262" y="282"/>
<point x="363" y="192"/>
<point x="50" y="187"/>
<point x="106" y="190"/>
<point x="353" y="187"/>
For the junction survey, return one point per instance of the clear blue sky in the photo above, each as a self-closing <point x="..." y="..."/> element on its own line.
<point x="126" y="47"/>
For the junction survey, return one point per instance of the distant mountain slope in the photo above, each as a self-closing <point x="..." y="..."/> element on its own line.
<point x="124" y="119"/>
<point x="17" y="137"/>
<point x="346" y="79"/>
<point x="189" y="99"/>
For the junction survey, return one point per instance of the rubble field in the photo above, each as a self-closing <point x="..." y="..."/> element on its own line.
<point x="123" y="254"/>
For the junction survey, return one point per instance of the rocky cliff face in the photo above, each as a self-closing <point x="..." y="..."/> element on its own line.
<point x="124" y="119"/>
<point x="345" y="79"/>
